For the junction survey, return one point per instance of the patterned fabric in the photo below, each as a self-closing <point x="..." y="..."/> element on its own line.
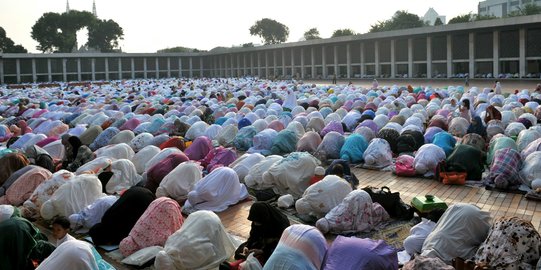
<point x="359" y="253"/>
<point x="505" y="168"/>
<point x="161" y="219"/>
<point x="426" y="263"/>
<point x="321" y="197"/>
<point x="24" y="186"/>
<point x="44" y="192"/>
<point x="512" y="243"/>
<point x="356" y="213"/>
<point x="300" y="245"/>
<point x="474" y="140"/>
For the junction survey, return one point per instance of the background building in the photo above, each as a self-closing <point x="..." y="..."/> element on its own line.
<point x="500" y="8"/>
<point x="503" y="48"/>
<point x="431" y="16"/>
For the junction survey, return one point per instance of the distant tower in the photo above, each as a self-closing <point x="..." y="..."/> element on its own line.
<point x="67" y="6"/>
<point x="94" y="9"/>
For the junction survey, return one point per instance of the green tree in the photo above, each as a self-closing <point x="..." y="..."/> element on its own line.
<point x="271" y="31"/>
<point x="464" y="18"/>
<point x="7" y="45"/>
<point x="311" y="34"/>
<point x="400" y="20"/>
<point x="104" y="35"/>
<point x="478" y="17"/>
<point x="527" y="9"/>
<point x="58" y="32"/>
<point x="342" y="33"/>
<point x="438" y="22"/>
<point x="248" y="45"/>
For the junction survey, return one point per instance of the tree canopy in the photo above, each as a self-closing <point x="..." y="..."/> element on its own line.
<point x="178" y="49"/>
<point x="438" y="22"/>
<point x="400" y="20"/>
<point x="343" y="32"/>
<point x="311" y="34"/>
<point x="104" y="35"/>
<point x="58" y="32"/>
<point x="461" y="18"/>
<point x="7" y="45"/>
<point x="270" y="31"/>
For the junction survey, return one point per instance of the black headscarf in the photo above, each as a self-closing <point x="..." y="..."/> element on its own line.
<point x="75" y="144"/>
<point x="120" y="218"/>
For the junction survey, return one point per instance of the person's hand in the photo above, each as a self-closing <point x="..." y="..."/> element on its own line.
<point x="245" y="251"/>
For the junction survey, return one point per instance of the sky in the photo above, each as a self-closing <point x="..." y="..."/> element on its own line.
<point x="204" y="24"/>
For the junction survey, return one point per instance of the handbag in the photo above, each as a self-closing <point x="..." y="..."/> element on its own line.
<point x="391" y="202"/>
<point x="453" y="178"/>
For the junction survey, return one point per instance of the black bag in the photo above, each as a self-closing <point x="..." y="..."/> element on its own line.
<point x="391" y="202"/>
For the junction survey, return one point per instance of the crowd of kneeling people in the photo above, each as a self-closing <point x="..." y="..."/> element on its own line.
<point x="147" y="164"/>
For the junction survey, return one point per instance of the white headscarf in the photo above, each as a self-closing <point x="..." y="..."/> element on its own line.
<point x="143" y="157"/>
<point x="124" y="176"/>
<point x="254" y="178"/>
<point x="160" y="156"/>
<point x="458" y="233"/>
<point x="321" y="197"/>
<point x="216" y="191"/>
<point x="180" y="181"/>
<point x="116" y="151"/>
<point x="92" y="214"/>
<point x="244" y="163"/>
<point x="73" y="196"/>
<point x="73" y="254"/>
<point x="201" y="243"/>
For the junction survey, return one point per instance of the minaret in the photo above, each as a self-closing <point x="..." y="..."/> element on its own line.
<point x="94" y="9"/>
<point x="67" y="6"/>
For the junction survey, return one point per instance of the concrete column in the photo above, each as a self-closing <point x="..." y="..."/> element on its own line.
<point x="93" y="68"/>
<point x="348" y="60"/>
<point x="145" y="67"/>
<point x="231" y="66"/>
<point x="49" y="70"/>
<point x="293" y="73"/>
<point x="376" y="58"/>
<point x="180" y="67"/>
<point x="168" y="67"/>
<point x="449" y="56"/>
<point x="2" y="71"/>
<point x="284" y="63"/>
<point x="238" y="67"/>
<point x="191" y="67"/>
<point x="522" y="52"/>
<point x="132" y="63"/>
<point x="410" y="57"/>
<point x="258" y="55"/>
<point x="79" y="76"/>
<point x="496" y="53"/>
<point x="220" y="65"/>
<point x="18" y="70"/>
<point x="252" y="65"/>
<point x="244" y="65"/>
<point x="34" y="74"/>
<point x="471" y="59"/>
<point x="363" y="67"/>
<point x="201" y="67"/>
<point x="106" y="69"/>
<point x="428" y="57"/>
<point x="267" y="64"/>
<point x="275" y="66"/>
<point x="313" y="63"/>
<point x="324" y="62"/>
<point x="393" y="59"/>
<point x="157" y="64"/>
<point x="302" y="63"/>
<point x="119" y="65"/>
<point x="64" y="70"/>
<point x="335" y="57"/>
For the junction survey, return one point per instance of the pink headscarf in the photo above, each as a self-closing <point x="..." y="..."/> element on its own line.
<point x="161" y="219"/>
<point x="130" y="124"/>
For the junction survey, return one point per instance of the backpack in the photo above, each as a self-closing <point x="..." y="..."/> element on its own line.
<point x="404" y="166"/>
